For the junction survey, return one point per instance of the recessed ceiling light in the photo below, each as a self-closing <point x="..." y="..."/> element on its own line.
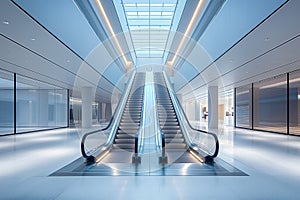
<point x="32" y="39"/>
<point x="5" y="22"/>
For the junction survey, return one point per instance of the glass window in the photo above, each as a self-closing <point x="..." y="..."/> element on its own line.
<point x="244" y="106"/>
<point x="270" y="104"/>
<point x="294" y="103"/>
<point x="76" y="112"/>
<point x="226" y="108"/>
<point x="6" y="103"/>
<point x="39" y="106"/>
<point x="149" y="17"/>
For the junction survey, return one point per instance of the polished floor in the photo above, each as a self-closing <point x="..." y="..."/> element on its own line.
<point x="270" y="160"/>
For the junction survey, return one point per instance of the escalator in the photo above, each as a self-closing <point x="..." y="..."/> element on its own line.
<point x="122" y="129"/>
<point x="167" y="117"/>
<point x="183" y="143"/>
<point x="150" y="141"/>
<point x="149" y="134"/>
<point x="130" y="121"/>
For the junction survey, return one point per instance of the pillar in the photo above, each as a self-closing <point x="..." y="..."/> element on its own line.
<point x="86" y="96"/>
<point x="190" y="110"/>
<point x="43" y="108"/>
<point x="108" y="111"/>
<point x="103" y="112"/>
<point x="213" y="107"/>
<point x="197" y="110"/>
<point x="254" y="108"/>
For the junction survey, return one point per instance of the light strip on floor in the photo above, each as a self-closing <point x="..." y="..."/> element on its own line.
<point x="197" y="156"/>
<point x="187" y="32"/>
<point x="102" y="156"/>
<point x="127" y="63"/>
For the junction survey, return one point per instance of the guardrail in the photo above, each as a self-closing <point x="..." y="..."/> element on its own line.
<point x="97" y="151"/>
<point x="204" y="144"/>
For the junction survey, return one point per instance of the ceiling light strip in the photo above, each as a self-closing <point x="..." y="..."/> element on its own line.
<point x="187" y="32"/>
<point x="127" y="63"/>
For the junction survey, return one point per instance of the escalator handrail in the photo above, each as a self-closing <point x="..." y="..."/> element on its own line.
<point x="139" y="136"/>
<point x="141" y="131"/>
<point x="163" y="144"/>
<point x="174" y="97"/>
<point x="160" y="136"/>
<point x="113" y="119"/>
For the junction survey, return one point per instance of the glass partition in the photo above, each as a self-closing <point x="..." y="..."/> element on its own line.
<point x="226" y="108"/>
<point x="243" y="109"/>
<point x="6" y="103"/>
<point x="270" y="104"/>
<point x="76" y="112"/>
<point x="294" y="103"/>
<point x="39" y="106"/>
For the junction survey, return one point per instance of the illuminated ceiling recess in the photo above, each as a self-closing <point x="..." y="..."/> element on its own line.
<point x="187" y="32"/>
<point x="102" y="11"/>
<point x="149" y="23"/>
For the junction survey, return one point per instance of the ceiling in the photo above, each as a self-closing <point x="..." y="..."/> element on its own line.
<point x="34" y="51"/>
<point x="149" y="25"/>
<point x="268" y="50"/>
<point x="246" y="41"/>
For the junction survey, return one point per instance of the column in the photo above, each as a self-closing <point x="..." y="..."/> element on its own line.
<point x="43" y="108"/>
<point x="86" y="96"/>
<point x="255" y="115"/>
<point x="103" y="112"/>
<point x="213" y="107"/>
<point x="108" y="111"/>
<point x="190" y="110"/>
<point x="197" y="110"/>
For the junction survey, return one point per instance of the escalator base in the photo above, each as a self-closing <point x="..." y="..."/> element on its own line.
<point x="219" y="168"/>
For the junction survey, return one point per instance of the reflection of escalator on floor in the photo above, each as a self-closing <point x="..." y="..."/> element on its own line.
<point x="176" y="146"/>
<point x="124" y="142"/>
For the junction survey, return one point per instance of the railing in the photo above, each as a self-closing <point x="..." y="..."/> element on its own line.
<point x="203" y="143"/>
<point x="160" y="136"/>
<point x="139" y="136"/>
<point x="94" y="145"/>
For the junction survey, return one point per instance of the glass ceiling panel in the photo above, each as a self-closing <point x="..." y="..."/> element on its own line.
<point x="149" y="25"/>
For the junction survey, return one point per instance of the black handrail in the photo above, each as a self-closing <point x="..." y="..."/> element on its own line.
<point x="190" y="126"/>
<point x="136" y="143"/>
<point x="163" y="144"/>
<point x="90" y="133"/>
<point x="82" y="146"/>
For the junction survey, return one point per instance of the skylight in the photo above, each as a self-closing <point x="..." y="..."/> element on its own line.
<point x="149" y="25"/>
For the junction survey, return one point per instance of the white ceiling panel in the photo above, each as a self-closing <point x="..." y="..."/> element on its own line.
<point x="265" y="52"/>
<point x="64" y="19"/>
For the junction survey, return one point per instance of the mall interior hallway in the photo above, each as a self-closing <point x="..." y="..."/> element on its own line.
<point x="270" y="160"/>
<point x="230" y="68"/>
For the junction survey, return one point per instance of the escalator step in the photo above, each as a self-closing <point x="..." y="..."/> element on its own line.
<point x="175" y="123"/>
<point x="124" y="146"/>
<point x="124" y="141"/>
<point x="176" y="146"/>
<point x="172" y="127"/>
<point x="169" y="133"/>
<point x="175" y="140"/>
<point x="129" y="124"/>
<point x="125" y="132"/>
